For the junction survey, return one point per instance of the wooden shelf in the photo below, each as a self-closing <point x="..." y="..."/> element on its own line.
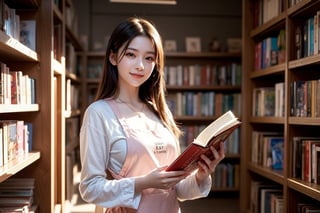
<point x="16" y="165"/>
<point x="13" y="108"/>
<point x="274" y="70"/>
<point x="311" y="60"/>
<point x="72" y="113"/>
<point x="304" y="121"/>
<point x="200" y="55"/>
<point x="205" y="88"/>
<point x="274" y="175"/>
<point x="268" y="120"/>
<point x="275" y="23"/>
<point x="225" y="189"/>
<point x="12" y="49"/>
<point x="310" y="189"/>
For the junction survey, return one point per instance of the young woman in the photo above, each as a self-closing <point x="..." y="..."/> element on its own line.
<point x="129" y="132"/>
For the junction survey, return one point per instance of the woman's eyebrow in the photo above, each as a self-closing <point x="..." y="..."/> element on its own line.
<point x="137" y="50"/>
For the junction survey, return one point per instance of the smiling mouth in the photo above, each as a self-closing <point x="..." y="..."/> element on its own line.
<point x="136" y="75"/>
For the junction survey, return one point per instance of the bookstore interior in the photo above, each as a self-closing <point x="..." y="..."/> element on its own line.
<point x="256" y="59"/>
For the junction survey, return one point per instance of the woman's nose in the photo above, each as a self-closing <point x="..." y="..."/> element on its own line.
<point x="140" y="65"/>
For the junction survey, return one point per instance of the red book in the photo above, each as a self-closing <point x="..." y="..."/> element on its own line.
<point x="218" y="131"/>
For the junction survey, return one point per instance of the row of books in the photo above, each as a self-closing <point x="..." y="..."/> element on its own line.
<point x="269" y="101"/>
<point x="17" y="195"/>
<point x="264" y="10"/>
<point x="270" y="51"/>
<point x="268" y="149"/>
<point x="200" y="75"/>
<point x="266" y="197"/>
<point x="231" y="145"/>
<point x="94" y="70"/>
<point x="71" y="59"/>
<point x="72" y="19"/>
<point x="16" y="87"/>
<point x="72" y="96"/>
<point x="15" y="140"/>
<point x="306" y="159"/>
<point x="308" y="207"/>
<point x="305" y="98"/>
<point x="72" y="130"/>
<point x="226" y="175"/>
<point x="307" y="37"/>
<point x="203" y="103"/>
<point x="294" y="2"/>
<point x="58" y="40"/>
<point x="21" y="30"/>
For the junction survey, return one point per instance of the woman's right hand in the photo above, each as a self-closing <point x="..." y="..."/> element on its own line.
<point x="160" y="179"/>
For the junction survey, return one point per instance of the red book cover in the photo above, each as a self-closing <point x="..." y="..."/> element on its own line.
<point x="307" y="161"/>
<point x="218" y="131"/>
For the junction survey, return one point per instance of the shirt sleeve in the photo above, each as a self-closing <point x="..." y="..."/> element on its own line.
<point x="95" y="137"/>
<point x="189" y="189"/>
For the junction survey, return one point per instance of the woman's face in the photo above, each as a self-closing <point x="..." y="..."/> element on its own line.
<point x="137" y="63"/>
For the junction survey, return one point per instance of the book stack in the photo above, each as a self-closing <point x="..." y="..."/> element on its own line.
<point x="16" y="195"/>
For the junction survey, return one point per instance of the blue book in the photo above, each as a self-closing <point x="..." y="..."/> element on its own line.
<point x="277" y="146"/>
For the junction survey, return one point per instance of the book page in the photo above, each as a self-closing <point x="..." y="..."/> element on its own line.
<point x="224" y="122"/>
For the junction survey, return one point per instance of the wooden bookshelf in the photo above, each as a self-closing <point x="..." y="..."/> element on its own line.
<point x="289" y="69"/>
<point x="194" y="66"/>
<point x="90" y="75"/>
<point x="47" y="65"/>
<point x="72" y="114"/>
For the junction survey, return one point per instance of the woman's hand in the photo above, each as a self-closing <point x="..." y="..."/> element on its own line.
<point x="160" y="179"/>
<point x="207" y="166"/>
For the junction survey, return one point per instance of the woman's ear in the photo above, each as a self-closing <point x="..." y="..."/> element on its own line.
<point x="113" y="58"/>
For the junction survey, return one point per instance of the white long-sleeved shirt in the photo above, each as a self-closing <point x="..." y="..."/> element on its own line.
<point x="102" y="146"/>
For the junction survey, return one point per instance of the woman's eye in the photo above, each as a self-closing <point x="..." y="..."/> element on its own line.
<point x="150" y="58"/>
<point x="129" y="54"/>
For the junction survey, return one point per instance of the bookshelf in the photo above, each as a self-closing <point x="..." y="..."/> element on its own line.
<point x="45" y="62"/>
<point x="200" y="87"/>
<point x="72" y="97"/>
<point x="92" y="65"/>
<point x="297" y="58"/>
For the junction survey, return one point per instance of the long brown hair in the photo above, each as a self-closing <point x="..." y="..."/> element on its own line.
<point x="152" y="91"/>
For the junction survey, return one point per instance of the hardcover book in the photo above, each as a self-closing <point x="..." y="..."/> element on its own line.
<point x="218" y="131"/>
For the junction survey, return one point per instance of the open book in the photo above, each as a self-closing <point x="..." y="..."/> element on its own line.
<point x="219" y="130"/>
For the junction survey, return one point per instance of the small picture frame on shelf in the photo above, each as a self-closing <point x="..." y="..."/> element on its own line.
<point x="193" y="44"/>
<point x="234" y="45"/>
<point x="170" y="46"/>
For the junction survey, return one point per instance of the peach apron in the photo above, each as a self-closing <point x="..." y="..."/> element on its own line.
<point x="147" y="150"/>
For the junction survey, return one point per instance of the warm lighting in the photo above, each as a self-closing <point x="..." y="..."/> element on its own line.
<point x="172" y="2"/>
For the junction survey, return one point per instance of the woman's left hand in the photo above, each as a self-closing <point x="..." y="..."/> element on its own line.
<point x="208" y="166"/>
